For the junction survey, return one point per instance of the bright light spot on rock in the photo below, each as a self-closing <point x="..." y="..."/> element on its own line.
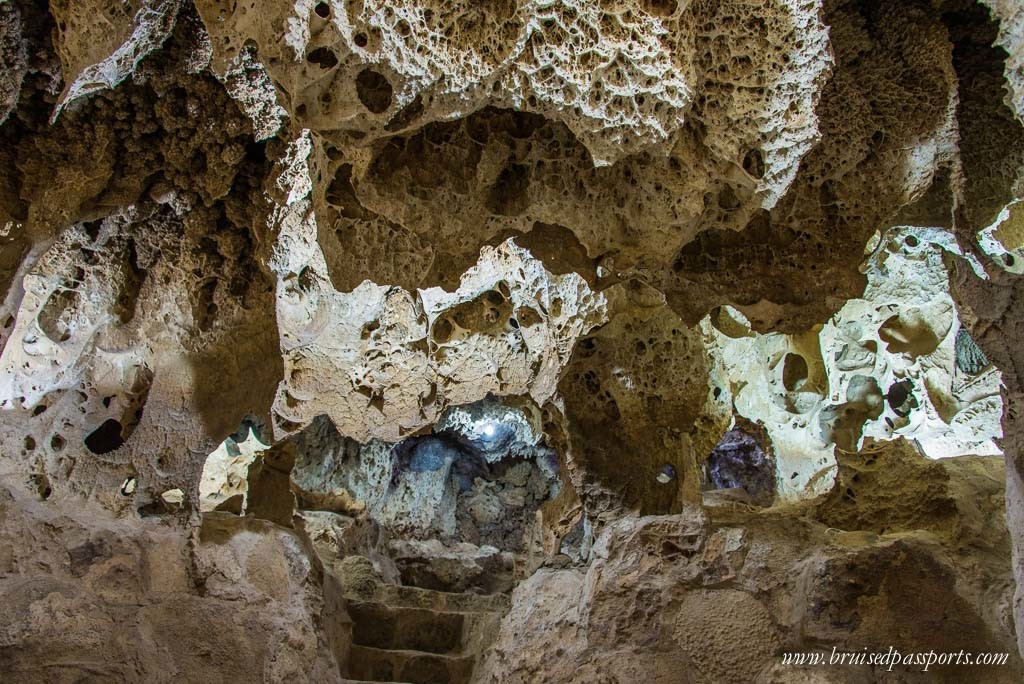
<point x="175" y="497"/>
<point x="489" y="430"/>
<point x="226" y="470"/>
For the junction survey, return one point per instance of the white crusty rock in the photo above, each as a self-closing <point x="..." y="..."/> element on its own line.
<point x="383" y="362"/>
<point x="621" y="76"/>
<point x="1010" y="15"/>
<point x="102" y="43"/>
<point x="885" y="366"/>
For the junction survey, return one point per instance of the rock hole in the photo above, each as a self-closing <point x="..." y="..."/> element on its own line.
<point x="42" y="485"/>
<point x="740" y="462"/>
<point x="474" y="481"/>
<point x="341" y="193"/>
<point x="406" y="115"/>
<point x="323" y="57"/>
<point x="224" y="483"/>
<point x="106" y="438"/>
<point x="133" y="276"/>
<point x="909" y="332"/>
<point x="794" y="372"/>
<point x="727" y="199"/>
<point x="442" y="331"/>
<point x="844" y="424"/>
<point x="57" y="315"/>
<point x="509" y="196"/>
<point x="306" y="280"/>
<point x="173" y="498"/>
<point x="901" y="398"/>
<point x="204" y="305"/>
<point x="369" y="328"/>
<point x="373" y="90"/>
<point x="753" y="164"/>
<point x="528" y="317"/>
<point x="322" y="10"/>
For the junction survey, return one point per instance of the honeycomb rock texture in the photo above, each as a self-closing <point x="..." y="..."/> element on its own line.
<point x="644" y="340"/>
<point x="637" y="391"/>
<point x="705" y="596"/>
<point x="1011" y="38"/>
<point x="101" y="43"/>
<point x="12" y="58"/>
<point x="621" y="76"/>
<point x="399" y="357"/>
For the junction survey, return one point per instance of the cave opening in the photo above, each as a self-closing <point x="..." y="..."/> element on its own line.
<point x="457" y="501"/>
<point x="454" y="507"/>
<point x="741" y="466"/>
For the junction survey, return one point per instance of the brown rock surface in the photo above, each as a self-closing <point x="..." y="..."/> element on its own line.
<point x="673" y="335"/>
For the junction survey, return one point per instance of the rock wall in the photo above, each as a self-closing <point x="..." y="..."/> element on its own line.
<point x="88" y="597"/>
<point x="714" y="595"/>
<point x="337" y="228"/>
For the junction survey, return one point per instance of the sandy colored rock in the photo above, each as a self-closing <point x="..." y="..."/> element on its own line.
<point x="535" y="340"/>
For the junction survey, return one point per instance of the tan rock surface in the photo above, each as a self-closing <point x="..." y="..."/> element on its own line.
<point x="694" y="325"/>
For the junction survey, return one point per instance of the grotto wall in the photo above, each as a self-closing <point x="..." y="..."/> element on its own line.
<point x="735" y="286"/>
<point x="714" y="595"/>
<point x="87" y="596"/>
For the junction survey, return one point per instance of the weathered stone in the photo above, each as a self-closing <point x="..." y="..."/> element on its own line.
<point x="686" y="332"/>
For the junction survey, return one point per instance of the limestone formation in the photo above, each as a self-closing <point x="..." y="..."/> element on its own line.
<point x="715" y="595"/>
<point x="510" y="341"/>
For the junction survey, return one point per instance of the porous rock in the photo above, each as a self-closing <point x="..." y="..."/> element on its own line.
<point x="672" y="335"/>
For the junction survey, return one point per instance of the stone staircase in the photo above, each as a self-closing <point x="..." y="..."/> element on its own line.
<point x="419" y="636"/>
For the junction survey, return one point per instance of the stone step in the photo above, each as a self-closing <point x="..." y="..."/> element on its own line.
<point x="404" y="628"/>
<point x="416" y="667"/>
<point x="416" y="597"/>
